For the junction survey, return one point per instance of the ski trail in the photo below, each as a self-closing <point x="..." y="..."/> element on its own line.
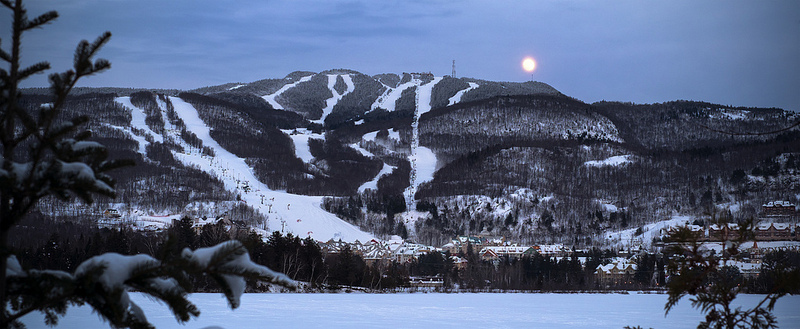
<point x="138" y="122"/>
<point x="388" y="100"/>
<point x="457" y="97"/>
<point x="423" y="160"/>
<point x="271" y="97"/>
<point x="300" y="137"/>
<point x="290" y="213"/>
<point x="331" y="102"/>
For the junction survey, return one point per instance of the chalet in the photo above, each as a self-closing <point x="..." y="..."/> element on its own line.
<point x="461" y="244"/>
<point x="111" y="213"/>
<point x="410" y="251"/>
<point x="426" y="281"/>
<point x="748" y="269"/>
<point x="495" y="252"/>
<point x="551" y="250"/>
<point x="779" y="209"/>
<point x="458" y="262"/>
<point x="375" y="251"/>
<point x="615" y="273"/>
<point x="773" y="232"/>
<point x="725" y="232"/>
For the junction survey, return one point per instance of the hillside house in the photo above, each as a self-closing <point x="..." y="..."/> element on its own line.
<point x="779" y="209"/>
<point x="426" y="281"/>
<point x="724" y="232"/>
<point x="549" y="250"/>
<point x="773" y="232"/>
<point x="495" y="252"/>
<point x="615" y="273"/>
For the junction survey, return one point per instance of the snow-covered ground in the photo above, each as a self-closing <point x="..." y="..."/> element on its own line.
<point x="624" y="238"/>
<point x="457" y="97"/>
<point x="299" y="214"/>
<point x="271" y="97"/>
<point x="423" y="160"/>
<point x="373" y="184"/>
<point x="331" y="102"/>
<point x="730" y="114"/>
<point x="431" y="310"/>
<point x="300" y="138"/>
<point x="612" y="161"/>
<point x="388" y="100"/>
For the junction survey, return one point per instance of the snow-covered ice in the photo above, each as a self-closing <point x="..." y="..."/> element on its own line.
<point x="431" y="310"/>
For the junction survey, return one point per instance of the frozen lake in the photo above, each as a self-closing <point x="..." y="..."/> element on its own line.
<point x="420" y="310"/>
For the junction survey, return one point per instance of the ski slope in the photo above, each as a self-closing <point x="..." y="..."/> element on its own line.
<point x="626" y="238"/>
<point x="388" y="100"/>
<point x="331" y="102"/>
<point x="423" y="160"/>
<point x="612" y="161"/>
<point x="298" y="214"/>
<point x="457" y="97"/>
<point x="300" y="137"/>
<point x="271" y="97"/>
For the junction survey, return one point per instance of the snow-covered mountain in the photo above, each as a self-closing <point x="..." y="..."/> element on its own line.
<point x="337" y="154"/>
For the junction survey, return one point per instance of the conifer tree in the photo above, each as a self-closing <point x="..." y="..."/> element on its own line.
<point x="45" y="155"/>
<point x="705" y="276"/>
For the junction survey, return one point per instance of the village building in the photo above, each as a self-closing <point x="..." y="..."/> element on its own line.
<point x="779" y="209"/>
<point x="615" y="273"/>
<point x="723" y="232"/>
<point x="495" y="252"/>
<point x="426" y="281"/>
<point x="773" y="232"/>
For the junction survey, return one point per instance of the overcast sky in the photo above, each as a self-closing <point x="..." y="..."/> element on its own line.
<point x="744" y="53"/>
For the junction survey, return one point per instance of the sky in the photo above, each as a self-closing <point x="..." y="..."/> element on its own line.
<point x="738" y="52"/>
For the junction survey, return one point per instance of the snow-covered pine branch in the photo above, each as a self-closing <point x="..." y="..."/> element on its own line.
<point x="104" y="282"/>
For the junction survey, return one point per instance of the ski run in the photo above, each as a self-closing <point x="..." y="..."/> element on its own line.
<point x="301" y="215"/>
<point x="298" y="214"/>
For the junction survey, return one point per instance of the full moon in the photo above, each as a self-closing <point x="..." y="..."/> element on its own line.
<point x="528" y="64"/>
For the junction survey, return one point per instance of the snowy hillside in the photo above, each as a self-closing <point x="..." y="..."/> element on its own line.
<point x="277" y="151"/>
<point x="298" y="214"/>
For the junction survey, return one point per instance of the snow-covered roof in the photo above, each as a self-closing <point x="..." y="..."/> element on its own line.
<point x="616" y="267"/>
<point x="778" y="204"/>
<point x="777" y="226"/>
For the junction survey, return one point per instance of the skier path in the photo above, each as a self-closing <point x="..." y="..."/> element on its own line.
<point x="298" y="214"/>
<point x="423" y="160"/>
<point x="271" y="97"/>
<point x="331" y="102"/>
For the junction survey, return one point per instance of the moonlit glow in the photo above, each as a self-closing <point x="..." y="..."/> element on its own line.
<point x="528" y="64"/>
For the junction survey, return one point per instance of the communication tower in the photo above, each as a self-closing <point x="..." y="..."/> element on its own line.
<point x="454" y="69"/>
